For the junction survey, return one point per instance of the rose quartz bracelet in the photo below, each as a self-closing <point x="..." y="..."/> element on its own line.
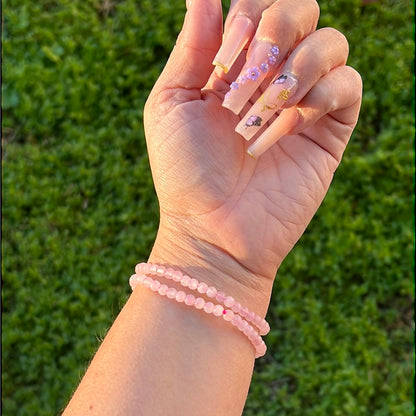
<point x="203" y="288"/>
<point x="200" y="303"/>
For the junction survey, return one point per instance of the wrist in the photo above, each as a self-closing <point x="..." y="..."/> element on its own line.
<point x="208" y="263"/>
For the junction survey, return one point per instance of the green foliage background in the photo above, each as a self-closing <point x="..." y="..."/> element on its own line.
<point x="79" y="211"/>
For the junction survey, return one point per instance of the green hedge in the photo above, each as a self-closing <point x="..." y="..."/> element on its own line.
<point x="79" y="210"/>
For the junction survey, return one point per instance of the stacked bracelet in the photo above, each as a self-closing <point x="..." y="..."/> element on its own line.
<point x="203" y="288"/>
<point x="236" y="314"/>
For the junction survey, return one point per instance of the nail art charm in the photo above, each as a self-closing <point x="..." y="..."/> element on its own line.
<point x="284" y="94"/>
<point x="262" y="60"/>
<point x="265" y="107"/>
<point x="253" y="121"/>
<point x="280" y="80"/>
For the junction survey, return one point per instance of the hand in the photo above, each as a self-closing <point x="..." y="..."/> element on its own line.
<point x="220" y="208"/>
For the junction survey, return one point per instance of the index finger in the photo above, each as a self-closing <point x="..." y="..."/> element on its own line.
<point x="240" y="26"/>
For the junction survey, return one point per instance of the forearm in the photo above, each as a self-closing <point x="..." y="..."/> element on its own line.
<point x="162" y="357"/>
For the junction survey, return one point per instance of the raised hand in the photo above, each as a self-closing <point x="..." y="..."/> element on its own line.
<point x="291" y="95"/>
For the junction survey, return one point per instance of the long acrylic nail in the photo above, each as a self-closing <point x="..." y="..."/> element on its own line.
<point x="262" y="59"/>
<point x="265" y="107"/>
<point x="241" y="29"/>
<point x="284" y="124"/>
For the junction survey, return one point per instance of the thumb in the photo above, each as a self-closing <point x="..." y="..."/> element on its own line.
<point x="190" y="63"/>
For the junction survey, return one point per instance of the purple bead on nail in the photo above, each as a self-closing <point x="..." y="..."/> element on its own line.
<point x="272" y="60"/>
<point x="274" y="50"/>
<point x="242" y="80"/>
<point x="253" y="73"/>
<point x="234" y="86"/>
<point x="264" y="67"/>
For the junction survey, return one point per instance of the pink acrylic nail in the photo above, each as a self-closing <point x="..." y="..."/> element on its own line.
<point x="265" y="107"/>
<point x="283" y="125"/>
<point x="262" y="58"/>
<point x="241" y="29"/>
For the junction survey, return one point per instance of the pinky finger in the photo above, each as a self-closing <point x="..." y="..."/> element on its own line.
<point x="338" y="95"/>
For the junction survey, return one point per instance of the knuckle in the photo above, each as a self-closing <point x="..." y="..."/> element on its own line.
<point x="336" y="36"/>
<point x="338" y="40"/>
<point x="355" y="78"/>
<point x="311" y="6"/>
<point x="315" y="7"/>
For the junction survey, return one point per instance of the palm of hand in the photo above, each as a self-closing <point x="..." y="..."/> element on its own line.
<point x="255" y="210"/>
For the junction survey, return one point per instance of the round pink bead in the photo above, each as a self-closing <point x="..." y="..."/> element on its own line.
<point x="147" y="281"/>
<point x="257" y="341"/>
<point x="261" y="323"/>
<point x="190" y="300"/>
<point x="209" y="307"/>
<point x="252" y="335"/>
<point x="211" y="292"/>
<point x="133" y="281"/>
<point x="255" y="336"/>
<point x="229" y="315"/>
<point x="248" y="331"/>
<point x="155" y="285"/>
<point x="199" y="303"/>
<point x="229" y="301"/>
<point x="193" y="284"/>
<point x="185" y="280"/>
<point x="202" y="287"/>
<point x="265" y="328"/>
<point x="138" y="268"/>
<point x="177" y="276"/>
<point x="160" y="271"/>
<point x="171" y="293"/>
<point x="153" y="268"/>
<point x="218" y="310"/>
<point x="162" y="290"/>
<point x="180" y="296"/>
<point x="236" y="320"/>
<point x="140" y="278"/>
<point x="261" y="349"/>
<point x="242" y="325"/>
<point x="168" y="273"/>
<point x="221" y="297"/>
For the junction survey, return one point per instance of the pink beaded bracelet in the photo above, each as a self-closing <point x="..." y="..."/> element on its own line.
<point x="200" y="303"/>
<point x="203" y="288"/>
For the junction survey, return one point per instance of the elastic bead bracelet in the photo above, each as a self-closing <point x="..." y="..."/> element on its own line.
<point x="203" y="288"/>
<point x="199" y="303"/>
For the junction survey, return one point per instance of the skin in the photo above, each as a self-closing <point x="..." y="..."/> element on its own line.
<point x="225" y="219"/>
